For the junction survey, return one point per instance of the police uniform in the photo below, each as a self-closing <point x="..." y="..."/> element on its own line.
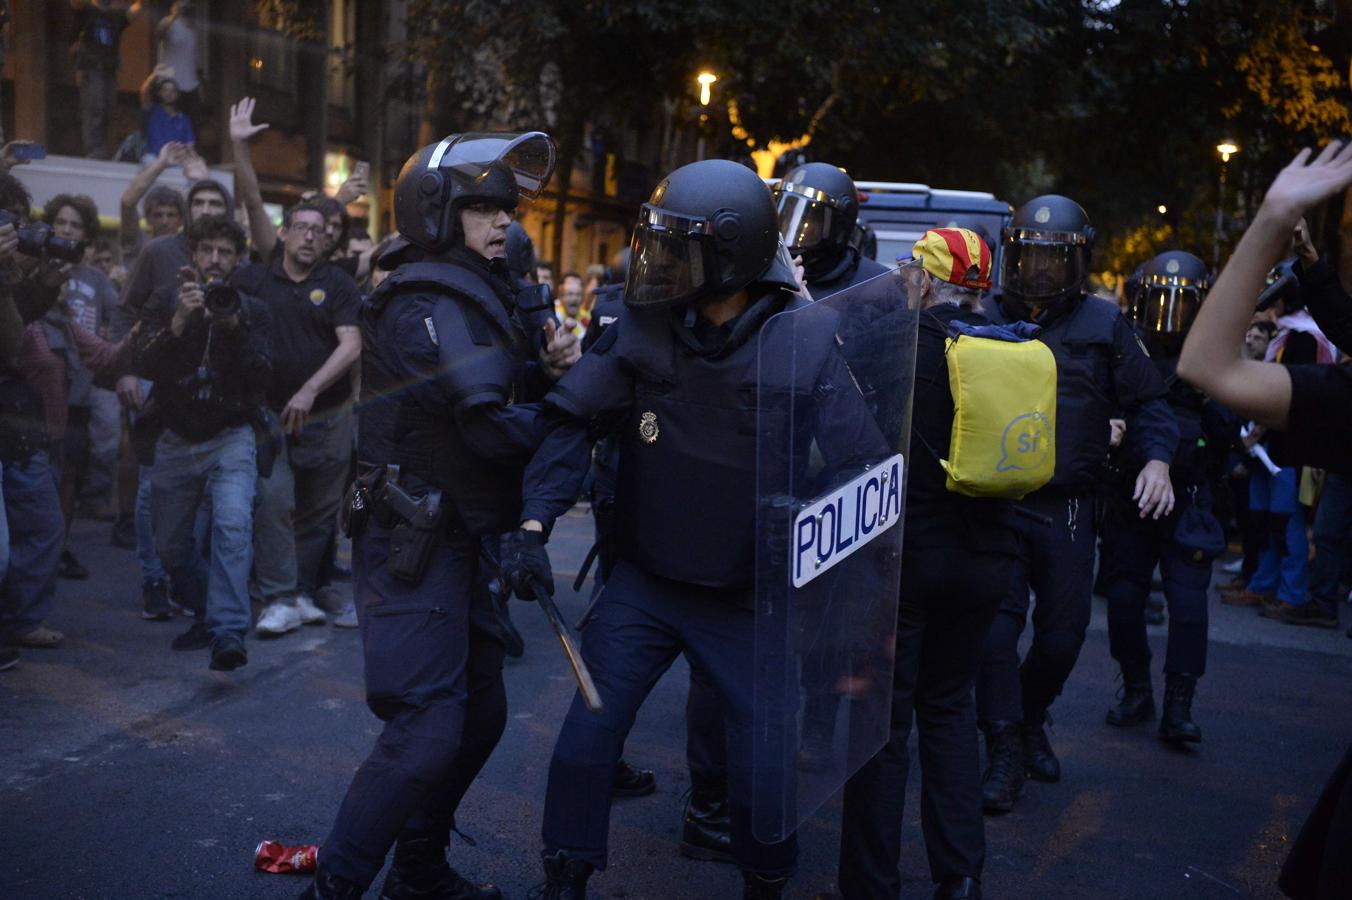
<point x="1163" y="302"/>
<point x="705" y="829"/>
<point x="685" y="510"/>
<point x="448" y="362"/>
<point x="683" y="392"/>
<point x="1137" y="545"/>
<point x="1101" y="367"/>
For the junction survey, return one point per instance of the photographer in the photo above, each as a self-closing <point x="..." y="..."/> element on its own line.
<point x="29" y="286"/>
<point x="205" y="346"/>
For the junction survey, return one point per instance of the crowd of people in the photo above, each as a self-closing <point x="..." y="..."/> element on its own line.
<point x="235" y="396"/>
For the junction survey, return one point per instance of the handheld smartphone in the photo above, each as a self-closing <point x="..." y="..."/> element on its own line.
<point x="29" y="151"/>
<point x="362" y="170"/>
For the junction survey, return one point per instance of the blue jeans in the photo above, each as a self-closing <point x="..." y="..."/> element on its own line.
<point x="152" y="570"/>
<point x="220" y="470"/>
<point x="1283" y="567"/>
<point x="36" y="532"/>
<point x="1332" y="534"/>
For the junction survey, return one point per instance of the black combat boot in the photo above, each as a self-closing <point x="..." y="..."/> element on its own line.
<point x="565" y="877"/>
<point x="1176" y="725"/>
<point x="707" y="833"/>
<point x="327" y="886"/>
<point x="1002" y="783"/>
<point x="1038" y="758"/>
<point x="758" y="887"/>
<point x="1136" y="701"/>
<point x="963" y="888"/>
<point x="420" y="872"/>
<point x="631" y="781"/>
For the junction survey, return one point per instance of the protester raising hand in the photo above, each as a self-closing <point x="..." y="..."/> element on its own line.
<point x="1262" y="391"/>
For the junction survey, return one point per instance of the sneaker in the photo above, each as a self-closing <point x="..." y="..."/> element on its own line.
<point x="155" y="602"/>
<point x="1245" y="598"/>
<point x="1309" y="613"/>
<point x="195" y="638"/>
<point x="180" y="606"/>
<point x="71" y="568"/>
<point x="1233" y="567"/>
<point x="309" y="613"/>
<point x="278" y="617"/>
<point x="123" y="534"/>
<point x="347" y="618"/>
<point x="40" y="638"/>
<point x="1272" y="608"/>
<point x="9" y="658"/>
<point x="227" y="654"/>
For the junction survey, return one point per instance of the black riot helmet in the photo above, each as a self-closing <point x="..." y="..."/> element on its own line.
<point x="1046" y="252"/>
<point x="460" y="169"/>
<point x="818" y="206"/>
<point x="1171" y="288"/>
<point x="707" y="231"/>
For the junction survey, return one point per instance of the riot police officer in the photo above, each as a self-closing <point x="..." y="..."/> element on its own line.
<point x="706" y="830"/>
<point x="818" y="207"/>
<point x="448" y="356"/>
<point x="1101" y="368"/>
<point x="1163" y="303"/>
<point x="708" y="272"/>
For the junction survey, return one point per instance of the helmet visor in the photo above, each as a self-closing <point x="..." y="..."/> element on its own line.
<point x="1167" y="309"/>
<point x="529" y="155"/>
<point x="1036" y="269"/>
<point x="669" y="264"/>
<point x="804" y="222"/>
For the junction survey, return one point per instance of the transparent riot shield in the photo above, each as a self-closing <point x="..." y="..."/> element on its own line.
<point x="834" y="405"/>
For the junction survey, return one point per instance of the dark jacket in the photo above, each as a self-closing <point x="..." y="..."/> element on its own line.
<point x="208" y="379"/>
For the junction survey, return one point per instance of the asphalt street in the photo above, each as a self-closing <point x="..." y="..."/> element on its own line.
<point x="134" y="772"/>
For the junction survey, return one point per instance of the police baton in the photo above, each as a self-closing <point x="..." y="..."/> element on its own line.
<point x="585" y="685"/>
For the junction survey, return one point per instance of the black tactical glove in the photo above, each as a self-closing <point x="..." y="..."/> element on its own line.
<point x="525" y="563"/>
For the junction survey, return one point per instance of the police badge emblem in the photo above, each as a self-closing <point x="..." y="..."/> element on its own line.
<point x="647" y="427"/>
<point x="1043" y="215"/>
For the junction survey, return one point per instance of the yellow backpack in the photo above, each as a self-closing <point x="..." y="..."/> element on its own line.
<point x="1004" y="411"/>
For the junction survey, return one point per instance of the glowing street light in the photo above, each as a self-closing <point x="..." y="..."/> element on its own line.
<point x="1162" y="209"/>
<point x="1226" y="149"/>
<point x="705" y="79"/>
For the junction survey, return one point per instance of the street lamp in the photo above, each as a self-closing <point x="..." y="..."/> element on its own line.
<point x="705" y="79"/>
<point x="1226" y="149"/>
<point x="1162" y="209"/>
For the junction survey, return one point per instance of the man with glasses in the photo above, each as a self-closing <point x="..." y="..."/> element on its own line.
<point x="315" y="341"/>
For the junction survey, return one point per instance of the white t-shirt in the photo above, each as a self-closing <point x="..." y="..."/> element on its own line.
<point x="178" y="50"/>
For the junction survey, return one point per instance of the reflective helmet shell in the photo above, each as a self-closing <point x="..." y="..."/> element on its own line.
<point x="708" y="230"/>
<point x="818" y="205"/>
<point x="1047" y="246"/>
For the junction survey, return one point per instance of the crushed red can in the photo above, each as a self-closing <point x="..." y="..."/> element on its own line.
<point x="273" y="856"/>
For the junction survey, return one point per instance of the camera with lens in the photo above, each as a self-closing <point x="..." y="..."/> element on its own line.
<point x="220" y="298"/>
<point x="38" y="240"/>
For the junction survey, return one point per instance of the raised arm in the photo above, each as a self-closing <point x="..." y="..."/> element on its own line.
<point x="171" y="154"/>
<point x="242" y="130"/>
<point x="1211" y="361"/>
